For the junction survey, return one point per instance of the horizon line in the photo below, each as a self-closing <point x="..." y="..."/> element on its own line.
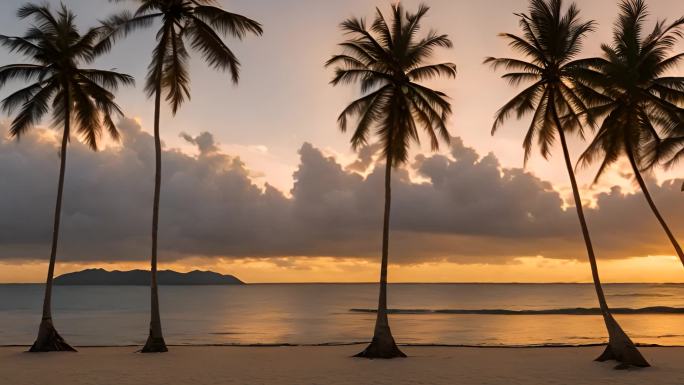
<point x="390" y="283"/>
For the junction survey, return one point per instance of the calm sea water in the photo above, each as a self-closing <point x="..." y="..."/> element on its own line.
<point x="322" y="313"/>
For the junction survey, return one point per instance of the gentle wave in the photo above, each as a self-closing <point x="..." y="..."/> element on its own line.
<point x="568" y="311"/>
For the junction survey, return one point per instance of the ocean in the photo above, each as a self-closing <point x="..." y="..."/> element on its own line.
<point x="448" y="314"/>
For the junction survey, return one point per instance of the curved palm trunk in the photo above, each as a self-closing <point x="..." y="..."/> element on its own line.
<point x="383" y="345"/>
<point x="620" y="347"/>
<point x="651" y="203"/>
<point x="48" y="339"/>
<point x="155" y="341"/>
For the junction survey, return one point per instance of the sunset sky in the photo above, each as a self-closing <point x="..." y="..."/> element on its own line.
<point x="260" y="183"/>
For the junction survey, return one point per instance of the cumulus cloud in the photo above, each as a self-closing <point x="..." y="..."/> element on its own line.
<point x="366" y="157"/>
<point x="463" y="207"/>
<point x="205" y="142"/>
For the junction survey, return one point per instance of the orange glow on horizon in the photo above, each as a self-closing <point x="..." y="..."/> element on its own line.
<point x="652" y="269"/>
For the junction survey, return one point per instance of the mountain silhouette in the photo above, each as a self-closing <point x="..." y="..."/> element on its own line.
<point x="142" y="278"/>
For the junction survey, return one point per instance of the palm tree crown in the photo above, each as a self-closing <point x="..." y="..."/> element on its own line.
<point x="633" y="92"/>
<point x="551" y="40"/>
<point x="197" y="23"/>
<point x="57" y="50"/>
<point x="388" y="61"/>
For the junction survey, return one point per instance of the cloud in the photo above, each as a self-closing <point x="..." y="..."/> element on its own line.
<point x="205" y="142"/>
<point x="366" y="156"/>
<point x="462" y="207"/>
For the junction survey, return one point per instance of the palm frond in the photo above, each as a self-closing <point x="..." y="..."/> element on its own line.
<point x="32" y="111"/>
<point x="214" y="51"/>
<point x="227" y="23"/>
<point x="175" y="78"/>
<point x="521" y="104"/>
<point x="119" y="26"/>
<point x="25" y="72"/>
<point x="431" y="71"/>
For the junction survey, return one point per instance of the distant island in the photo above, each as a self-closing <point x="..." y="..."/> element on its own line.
<point x="142" y="278"/>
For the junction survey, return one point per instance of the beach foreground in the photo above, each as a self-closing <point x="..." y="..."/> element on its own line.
<point x="332" y="366"/>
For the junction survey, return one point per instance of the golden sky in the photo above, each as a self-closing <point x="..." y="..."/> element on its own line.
<point x="296" y="270"/>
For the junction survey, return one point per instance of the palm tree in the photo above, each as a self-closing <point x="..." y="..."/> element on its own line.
<point x="79" y="96"/>
<point x="639" y="101"/>
<point x="388" y="61"/>
<point x="199" y="24"/>
<point x="551" y="39"/>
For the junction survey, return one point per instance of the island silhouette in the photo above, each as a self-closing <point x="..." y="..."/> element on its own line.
<point x="142" y="278"/>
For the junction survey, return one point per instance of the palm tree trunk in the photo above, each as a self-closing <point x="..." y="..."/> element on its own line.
<point x="48" y="339"/>
<point x="383" y="345"/>
<point x="155" y="341"/>
<point x="620" y="347"/>
<point x="651" y="203"/>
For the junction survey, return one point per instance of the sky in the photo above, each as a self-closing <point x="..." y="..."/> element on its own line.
<point x="260" y="183"/>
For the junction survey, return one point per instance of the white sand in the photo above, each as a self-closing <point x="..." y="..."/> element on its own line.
<point x="333" y="366"/>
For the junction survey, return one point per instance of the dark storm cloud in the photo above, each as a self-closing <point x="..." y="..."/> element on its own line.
<point x="463" y="207"/>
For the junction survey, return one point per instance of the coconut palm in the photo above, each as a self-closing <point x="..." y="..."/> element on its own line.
<point x="551" y="38"/>
<point x="388" y="61"/>
<point x="80" y="99"/>
<point x="640" y="102"/>
<point x="199" y="24"/>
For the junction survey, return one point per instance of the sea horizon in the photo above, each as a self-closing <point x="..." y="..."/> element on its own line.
<point x="375" y="283"/>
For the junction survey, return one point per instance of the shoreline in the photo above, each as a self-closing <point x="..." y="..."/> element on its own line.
<point x="333" y="365"/>
<point x="365" y="283"/>
<point x="342" y="344"/>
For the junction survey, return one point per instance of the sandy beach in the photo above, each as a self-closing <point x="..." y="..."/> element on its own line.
<point x="332" y="366"/>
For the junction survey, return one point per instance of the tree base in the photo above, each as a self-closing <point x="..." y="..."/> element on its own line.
<point x="381" y="349"/>
<point x="626" y="354"/>
<point x="154" y="345"/>
<point x="49" y="340"/>
<point x="620" y="347"/>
